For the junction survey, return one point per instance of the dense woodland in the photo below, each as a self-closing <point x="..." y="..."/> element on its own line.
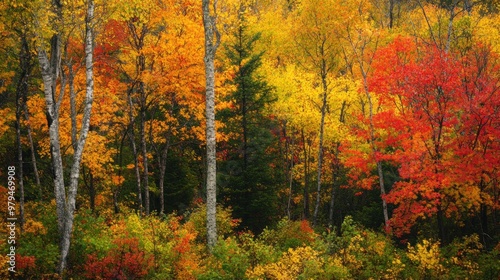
<point x="353" y="139"/>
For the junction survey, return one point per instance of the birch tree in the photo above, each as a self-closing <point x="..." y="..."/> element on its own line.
<point x="318" y="46"/>
<point x="51" y="70"/>
<point x="212" y="41"/>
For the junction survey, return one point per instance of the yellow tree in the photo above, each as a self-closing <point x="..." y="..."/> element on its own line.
<point x="318" y="52"/>
<point x="146" y="23"/>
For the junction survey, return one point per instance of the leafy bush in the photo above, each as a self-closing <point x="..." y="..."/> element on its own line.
<point x="125" y="261"/>
<point x="228" y="261"/>
<point x="289" y="234"/>
<point x="225" y="223"/>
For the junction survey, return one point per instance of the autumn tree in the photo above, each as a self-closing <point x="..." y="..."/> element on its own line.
<point x="51" y="74"/>
<point x="359" y="40"/>
<point x="318" y="52"/>
<point x="438" y="101"/>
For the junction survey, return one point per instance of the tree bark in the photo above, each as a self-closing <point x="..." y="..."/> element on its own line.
<point x="50" y="74"/>
<point x="131" y="135"/>
<point x="145" y="161"/>
<point x="163" y="168"/>
<point x="21" y="93"/>
<point x="359" y="57"/>
<point x="50" y="68"/>
<point x="324" y="104"/>
<point x="306" y="177"/>
<point x="32" y="149"/>
<point x="211" y="45"/>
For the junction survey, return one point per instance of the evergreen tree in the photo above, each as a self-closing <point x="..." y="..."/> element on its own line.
<point x="246" y="177"/>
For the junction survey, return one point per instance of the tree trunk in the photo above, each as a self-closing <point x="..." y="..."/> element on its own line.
<point x="324" y="104"/>
<point x="50" y="68"/>
<point x="372" y="136"/>
<point x="163" y="168"/>
<point x="21" y="93"/>
<point x="209" y="24"/>
<point x="145" y="161"/>
<point x="77" y="156"/>
<point x="32" y="149"/>
<point x="20" y="159"/>
<point x="335" y="175"/>
<point x="306" y="177"/>
<point x="391" y="13"/>
<point x="289" y="153"/>
<point x="131" y="135"/>
<point x="89" y="183"/>
<point x="50" y="74"/>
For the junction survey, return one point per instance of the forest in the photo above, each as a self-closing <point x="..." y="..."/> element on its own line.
<point x="250" y="139"/>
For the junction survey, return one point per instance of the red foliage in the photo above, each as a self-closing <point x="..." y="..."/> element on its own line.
<point x="441" y="120"/>
<point x="24" y="263"/>
<point x="126" y="261"/>
<point x="305" y="227"/>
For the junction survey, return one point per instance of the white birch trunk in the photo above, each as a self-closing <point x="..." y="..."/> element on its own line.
<point x="209" y="23"/>
<point x="65" y="202"/>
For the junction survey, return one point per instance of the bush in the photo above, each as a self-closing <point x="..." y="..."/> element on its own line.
<point x="125" y="261"/>
<point x="289" y="234"/>
<point x="225" y="223"/>
<point x="228" y="261"/>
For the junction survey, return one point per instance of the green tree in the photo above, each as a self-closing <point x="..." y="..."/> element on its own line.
<point x="247" y="176"/>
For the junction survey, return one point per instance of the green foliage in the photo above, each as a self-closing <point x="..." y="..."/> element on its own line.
<point x="228" y="261"/>
<point x="91" y="235"/>
<point x="246" y="173"/>
<point x="225" y="223"/>
<point x="289" y="234"/>
<point x="170" y="247"/>
<point x="363" y="252"/>
<point x="40" y="239"/>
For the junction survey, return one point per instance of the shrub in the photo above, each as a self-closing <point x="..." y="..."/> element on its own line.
<point x="228" y="261"/>
<point x="426" y="256"/>
<point x="225" y="223"/>
<point x="125" y="261"/>
<point x="289" y="234"/>
<point x="296" y="263"/>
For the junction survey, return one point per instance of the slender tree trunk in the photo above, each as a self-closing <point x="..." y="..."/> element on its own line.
<point x="335" y="175"/>
<point x="82" y="137"/>
<point x="131" y="135"/>
<point x="306" y="177"/>
<point x="32" y="149"/>
<point x="163" y="168"/>
<point x="336" y="166"/>
<point x="21" y="94"/>
<point x="145" y="161"/>
<point x="20" y="156"/>
<point x="374" y="148"/>
<point x="90" y="186"/>
<point x="289" y="153"/>
<point x="120" y="167"/>
<point x="211" y="45"/>
<point x="324" y="104"/>
<point x="377" y="161"/>
<point x="391" y="13"/>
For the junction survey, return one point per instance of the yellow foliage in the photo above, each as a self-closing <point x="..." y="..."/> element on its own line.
<point x="289" y="266"/>
<point x="4" y="265"/>
<point x="427" y="257"/>
<point x="35" y="227"/>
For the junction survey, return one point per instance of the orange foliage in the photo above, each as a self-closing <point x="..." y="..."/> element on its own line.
<point x="127" y="261"/>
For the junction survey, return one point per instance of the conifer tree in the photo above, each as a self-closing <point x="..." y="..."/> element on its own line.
<point x="247" y="178"/>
